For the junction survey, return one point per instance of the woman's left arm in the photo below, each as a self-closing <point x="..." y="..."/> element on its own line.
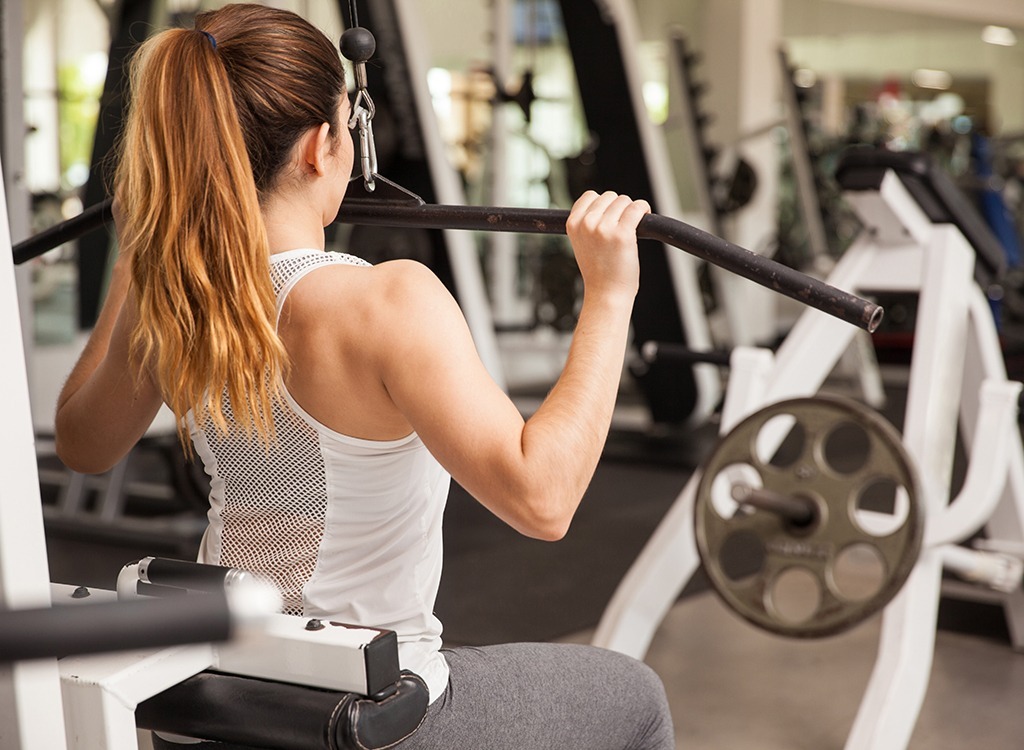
<point x="105" y="405"/>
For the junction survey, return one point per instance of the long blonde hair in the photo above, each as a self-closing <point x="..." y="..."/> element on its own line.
<point x="214" y="114"/>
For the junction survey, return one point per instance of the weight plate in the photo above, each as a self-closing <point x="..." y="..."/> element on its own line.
<point x="812" y="579"/>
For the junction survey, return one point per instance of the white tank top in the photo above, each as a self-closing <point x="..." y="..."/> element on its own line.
<point x="348" y="529"/>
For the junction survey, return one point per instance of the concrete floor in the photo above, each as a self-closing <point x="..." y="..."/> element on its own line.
<point x="734" y="687"/>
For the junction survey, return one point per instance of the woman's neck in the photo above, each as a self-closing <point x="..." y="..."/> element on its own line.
<point x="292" y="223"/>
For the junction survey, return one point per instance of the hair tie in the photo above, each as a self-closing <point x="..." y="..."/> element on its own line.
<point x="209" y="36"/>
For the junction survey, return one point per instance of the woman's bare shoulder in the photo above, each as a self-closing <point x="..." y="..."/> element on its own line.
<point x="396" y="288"/>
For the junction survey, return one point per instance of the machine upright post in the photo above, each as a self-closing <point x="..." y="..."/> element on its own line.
<point x="31" y="715"/>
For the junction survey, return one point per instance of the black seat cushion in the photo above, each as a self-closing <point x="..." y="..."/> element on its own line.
<point x="244" y="712"/>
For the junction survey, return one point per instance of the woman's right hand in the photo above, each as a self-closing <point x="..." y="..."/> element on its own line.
<point x="602" y="229"/>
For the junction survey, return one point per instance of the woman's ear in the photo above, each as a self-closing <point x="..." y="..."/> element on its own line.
<point x="316" y="147"/>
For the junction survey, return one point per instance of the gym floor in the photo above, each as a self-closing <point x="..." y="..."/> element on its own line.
<point x="733" y="686"/>
<point x="730" y="685"/>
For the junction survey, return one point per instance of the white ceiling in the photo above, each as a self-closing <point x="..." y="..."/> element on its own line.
<point x="842" y="17"/>
<point x="1002" y="12"/>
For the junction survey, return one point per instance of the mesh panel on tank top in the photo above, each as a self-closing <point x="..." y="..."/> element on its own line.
<point x="275" y="503"/>
<point x="290" y="267"/>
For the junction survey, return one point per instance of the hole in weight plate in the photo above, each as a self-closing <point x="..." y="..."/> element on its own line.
<point x="780" y="441"/>
<point x="881" y="506"/>
<point x="858" y="572"/>
<point x="847" y="448"/>
<point x="794" y="596"/>
<point x="721" y="487"/>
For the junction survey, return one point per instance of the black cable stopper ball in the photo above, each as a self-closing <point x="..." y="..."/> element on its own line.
<point x="357" y="44"/>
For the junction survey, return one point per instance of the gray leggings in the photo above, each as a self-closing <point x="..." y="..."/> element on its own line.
<point x="544" y="696"/>
<point x="541" y="696"/>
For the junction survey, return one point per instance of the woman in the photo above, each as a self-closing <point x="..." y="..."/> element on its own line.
<point x="331" y="401"/>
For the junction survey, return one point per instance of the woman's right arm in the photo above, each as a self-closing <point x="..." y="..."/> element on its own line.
<point x="530" y="473"/>
<point x="106" y="404"/>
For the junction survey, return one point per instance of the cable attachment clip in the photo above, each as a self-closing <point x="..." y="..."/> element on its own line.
<point x="357" y="45"/>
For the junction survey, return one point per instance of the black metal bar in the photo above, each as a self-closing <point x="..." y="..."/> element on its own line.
<point x="93" y="217"/>
<point x="759" y="269"/>
<point x="112" y="626"/>
<point x="652" y="351"/>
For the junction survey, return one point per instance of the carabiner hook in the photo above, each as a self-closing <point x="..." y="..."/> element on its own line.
<point x="361" y="119"/>
<point x="357" y="45"/>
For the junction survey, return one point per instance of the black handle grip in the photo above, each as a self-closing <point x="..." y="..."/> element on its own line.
<point x="185" y="575"/>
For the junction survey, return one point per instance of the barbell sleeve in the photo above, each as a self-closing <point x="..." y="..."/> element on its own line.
<point x="797" y="510"/>
<point x="704" y="245"/>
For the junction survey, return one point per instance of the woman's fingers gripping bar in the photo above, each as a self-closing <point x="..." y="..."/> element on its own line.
<point x="602" y="229"/>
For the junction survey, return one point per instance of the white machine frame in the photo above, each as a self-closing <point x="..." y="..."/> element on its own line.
<point x="957" y="378"/>
<point x="100" y="693"/>
<point x="30" y="705"/>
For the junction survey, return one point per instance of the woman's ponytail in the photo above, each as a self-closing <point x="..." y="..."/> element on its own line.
<point x="197" y="241"/>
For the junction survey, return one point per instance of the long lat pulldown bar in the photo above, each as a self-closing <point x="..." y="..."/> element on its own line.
<point x="759" y="269"/>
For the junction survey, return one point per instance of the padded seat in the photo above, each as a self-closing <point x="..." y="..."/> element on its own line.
<point x="245" y="713"/>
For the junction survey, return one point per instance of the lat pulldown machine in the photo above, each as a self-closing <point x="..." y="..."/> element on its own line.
<point x="101" y="697"/>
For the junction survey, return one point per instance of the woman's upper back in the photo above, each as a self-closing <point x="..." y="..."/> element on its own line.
<point x="339" y="326"/>
<point x="349" y="528"/>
